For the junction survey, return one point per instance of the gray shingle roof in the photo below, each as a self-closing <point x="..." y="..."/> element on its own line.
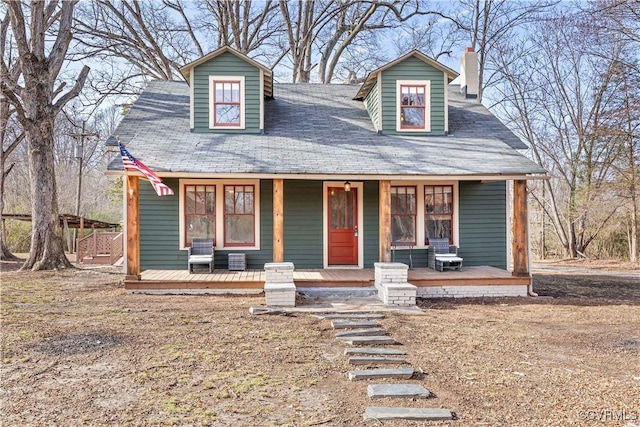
<point x="316" y="129"/>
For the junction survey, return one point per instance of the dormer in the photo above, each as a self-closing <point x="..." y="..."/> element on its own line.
<point x="408" y="96"/>
<point x="227" y="91"/>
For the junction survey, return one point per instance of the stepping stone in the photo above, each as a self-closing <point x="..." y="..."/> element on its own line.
<point x="373" y="350"/>
<point x="361" y="332"/>
<point x="376" y="360"/>
<point x="423" y="414"/>
<point x="411" y="391"/>
<point x="351" y="316"/>
<point x="367" y="374"/>
<point x="336" y="324"/>
<point x="380" y="340"/>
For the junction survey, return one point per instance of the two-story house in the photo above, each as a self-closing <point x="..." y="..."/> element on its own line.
<point x="328" y="177"/>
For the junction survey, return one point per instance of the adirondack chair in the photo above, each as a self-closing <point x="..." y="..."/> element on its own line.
<point x="201" y="252"/>
<point x="441" y="255"/>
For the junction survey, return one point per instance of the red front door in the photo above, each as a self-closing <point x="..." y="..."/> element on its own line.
<point x="343" y="226"/>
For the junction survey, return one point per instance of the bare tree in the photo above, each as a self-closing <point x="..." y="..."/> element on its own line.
<point x="246" y="26"/>
<point x="557" y="93"/>
<point x="134" y="40"/>
<point x="487" y="22"/>
<point x="320" y="32"/>
<point x="42" y="33"/>
<point x="11" y="134"/>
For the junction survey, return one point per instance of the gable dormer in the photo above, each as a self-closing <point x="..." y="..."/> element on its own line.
<point x="227" y="92"/>
<point x="408" y="96"/>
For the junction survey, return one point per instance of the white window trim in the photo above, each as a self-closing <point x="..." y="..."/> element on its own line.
<point x="427" y="104"/>
<point x="219" y="233"/>
<point x="212" y="120"/>
<point x="420" y="213"/>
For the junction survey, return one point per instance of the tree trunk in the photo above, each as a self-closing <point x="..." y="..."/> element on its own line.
<point x="5" y="253"/>
<point x="47" y="250"/>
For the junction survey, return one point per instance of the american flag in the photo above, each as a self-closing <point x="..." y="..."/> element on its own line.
<point x="132" y="164"/>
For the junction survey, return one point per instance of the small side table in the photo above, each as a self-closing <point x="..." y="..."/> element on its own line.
<point x="237" y="262"/>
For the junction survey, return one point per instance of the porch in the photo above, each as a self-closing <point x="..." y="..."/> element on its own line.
<point x="253" y="280"/>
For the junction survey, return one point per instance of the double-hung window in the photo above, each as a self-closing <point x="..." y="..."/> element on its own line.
<point x="200" y="212"/>
<point x="403" y="214"/>
<point x="239" y="215"/>
<point x="225" y="210"/>
<point x="413" y="105"/>
<point x="226" y="102"/>
<point x="438" y="212"/>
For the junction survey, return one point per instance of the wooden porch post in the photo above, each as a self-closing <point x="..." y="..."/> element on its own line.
<point x="278" y="220"/>
<point x="133" y="228"/>
<point x="384" y="200"/>
<point x="520" y="244"/>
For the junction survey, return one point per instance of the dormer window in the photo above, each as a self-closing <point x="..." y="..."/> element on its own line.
<point x="226" y="106"/>
<point x="413" y="105"/>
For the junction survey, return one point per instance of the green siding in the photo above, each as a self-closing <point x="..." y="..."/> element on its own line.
<point x="371" y="103"/>
<point x="303" y="223"/>
<point x="412" y="69"/>
<point x="226" y="64"/>
<point x="371" y="223"/>
<point x="160" y="229"/>
<point x="160" y="233"/>
<point x="483" y="219"/>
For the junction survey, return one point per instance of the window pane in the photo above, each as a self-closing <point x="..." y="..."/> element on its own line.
<point x="239" y="229"/>
<point x="413" y="117"/>
<point x="248" y="200"/>
<point x="235" y="92"/>
<point x="229" y="199"/>
<point x="438" y="228"/>
<point x="227" y="114"/>
<point x="447" y="194"/>
<point x="403" y="229"/>
<point x="200" y="226"/>
<point x="239" y="201"/>
<point x="348" y="215"/>
<point x="210" y="202"/>
<point x="191" y="199"/>
<point x="200" y="199"/>
<point x="219" y="92"/>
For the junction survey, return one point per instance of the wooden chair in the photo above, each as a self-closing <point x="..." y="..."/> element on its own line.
<point x="442" y="256"/>
<point x="201" y="252"/>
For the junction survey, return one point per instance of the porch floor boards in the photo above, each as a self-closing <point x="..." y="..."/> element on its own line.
<point x="332" y="277"/>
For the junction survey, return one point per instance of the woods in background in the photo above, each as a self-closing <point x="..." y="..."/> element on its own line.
<point x="564" y="76"/>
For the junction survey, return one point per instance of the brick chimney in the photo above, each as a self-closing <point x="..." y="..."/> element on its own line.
<point x="469" y="73"/>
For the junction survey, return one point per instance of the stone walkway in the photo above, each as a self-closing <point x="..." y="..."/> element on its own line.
<point x="362" y="329"/>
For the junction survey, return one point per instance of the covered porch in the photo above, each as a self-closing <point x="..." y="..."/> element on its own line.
<point x="253" y="280"/>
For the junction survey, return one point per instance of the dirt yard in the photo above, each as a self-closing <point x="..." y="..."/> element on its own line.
<point x="78" y="350"/>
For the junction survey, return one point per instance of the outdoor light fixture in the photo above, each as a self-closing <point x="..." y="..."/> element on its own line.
<point x="347" y="186"/>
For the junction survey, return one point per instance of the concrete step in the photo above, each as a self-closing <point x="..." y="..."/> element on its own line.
<point x="376" y="361"/>
<point x="339" y="293"/>
<point x="373" y="350"/>
<point x="375" y="340"/>
<point x="336" y="324"/>
<point x="362" y="332"/>
<point x="411" y="391"/>
<point x="420" y="414"/>
<point x="350" y="316"/>
<point x="367" y="374"/>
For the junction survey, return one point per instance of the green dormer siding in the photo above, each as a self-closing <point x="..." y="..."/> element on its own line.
<point x="412" y="68"/>
<point x="371" y="103"/>
<point x="226" y="64"/>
